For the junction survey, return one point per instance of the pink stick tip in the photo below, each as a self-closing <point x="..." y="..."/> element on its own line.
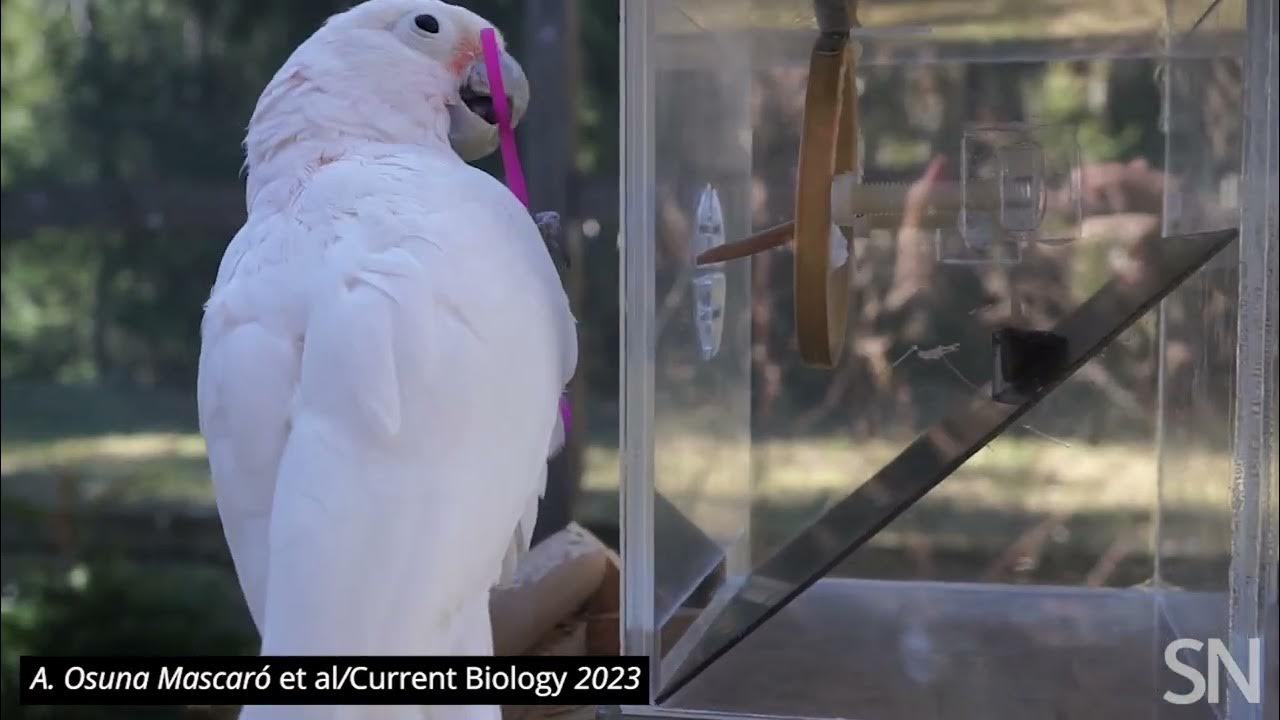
<point x="506" y="136"/>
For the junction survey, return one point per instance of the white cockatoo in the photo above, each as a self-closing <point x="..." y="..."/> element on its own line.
<point x="383" y="350"/>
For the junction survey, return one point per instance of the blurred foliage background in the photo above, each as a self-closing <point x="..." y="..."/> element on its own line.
<point x="120" y="182"/>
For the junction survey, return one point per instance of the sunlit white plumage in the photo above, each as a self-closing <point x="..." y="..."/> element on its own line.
<point x="383" y="351"/>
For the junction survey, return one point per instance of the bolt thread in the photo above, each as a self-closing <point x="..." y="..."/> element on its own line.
<point x="850" y="199"/>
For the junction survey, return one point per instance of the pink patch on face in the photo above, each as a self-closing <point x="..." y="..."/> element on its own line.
<point x="463" y="55"/>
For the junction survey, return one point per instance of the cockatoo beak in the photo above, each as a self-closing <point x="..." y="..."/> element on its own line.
<point x="473" y="124"/>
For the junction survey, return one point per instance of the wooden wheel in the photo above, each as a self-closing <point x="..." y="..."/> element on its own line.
<point x="828" y="145"/>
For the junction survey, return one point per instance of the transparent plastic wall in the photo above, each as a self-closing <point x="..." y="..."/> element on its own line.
<point x="1197" y="323"/>
<point x="1046" y="575"/>
<point x="690" y="148"/>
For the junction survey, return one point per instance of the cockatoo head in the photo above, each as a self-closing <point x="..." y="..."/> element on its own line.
<point x="399" y="71"/>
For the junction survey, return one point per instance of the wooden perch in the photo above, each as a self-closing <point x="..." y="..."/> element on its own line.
<point x="553" y="583"/>
<point x="564" y="600"/>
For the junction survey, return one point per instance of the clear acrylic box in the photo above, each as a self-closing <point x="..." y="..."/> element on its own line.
<point x="993" y="422"/>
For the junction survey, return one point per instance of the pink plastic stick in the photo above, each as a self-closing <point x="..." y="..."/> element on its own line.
<point x="506" y="136"/>
<point x="507" y="145"/>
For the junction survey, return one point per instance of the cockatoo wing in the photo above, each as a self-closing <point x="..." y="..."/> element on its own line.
<point x="247" y="379"/>
<point x="379" y="432"/>
<point x="249" y="363"/>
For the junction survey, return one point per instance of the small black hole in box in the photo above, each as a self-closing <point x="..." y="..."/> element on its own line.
<point x="1025" y="361"/>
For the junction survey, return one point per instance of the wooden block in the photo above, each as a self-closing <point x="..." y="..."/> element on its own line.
<point x="608" y="597"/>
<point x="568" y="638"/>
<point x="592" y="630"/>
<point x="602" y="634"/>
<point x="551" y="584"/>
<point x="604" y="612"/>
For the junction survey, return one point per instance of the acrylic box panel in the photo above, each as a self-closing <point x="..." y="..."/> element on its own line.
<point x="702" y="389"/>
<point x="1198" y="323"/>
<point x="1010" y="156"/>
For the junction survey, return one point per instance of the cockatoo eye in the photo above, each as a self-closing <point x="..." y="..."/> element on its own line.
<point x="427" y="24"/>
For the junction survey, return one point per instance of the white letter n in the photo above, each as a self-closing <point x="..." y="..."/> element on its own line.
<point x="1252" y="687"/>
